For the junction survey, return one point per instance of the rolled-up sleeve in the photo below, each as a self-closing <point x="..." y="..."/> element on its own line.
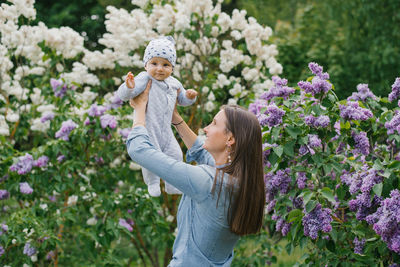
<point x="198" y="154"/>
<point x="194" y="181"/>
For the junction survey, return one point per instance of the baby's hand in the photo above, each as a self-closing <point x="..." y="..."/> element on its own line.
<point x="129" y="81"/>
<point x="191" y="94"/>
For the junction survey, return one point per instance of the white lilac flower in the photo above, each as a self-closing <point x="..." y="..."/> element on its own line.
<point x="72" y="200"/>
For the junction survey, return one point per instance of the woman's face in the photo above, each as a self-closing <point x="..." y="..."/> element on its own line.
<point x="159" y="68"/>
<point x="216" y="134"/>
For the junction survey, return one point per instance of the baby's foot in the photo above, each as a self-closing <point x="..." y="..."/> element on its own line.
<point x="171" y="189"/>
<point x="154" y="190"/>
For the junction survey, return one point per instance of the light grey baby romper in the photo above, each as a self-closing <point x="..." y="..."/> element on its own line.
<point x="161" y="104"/>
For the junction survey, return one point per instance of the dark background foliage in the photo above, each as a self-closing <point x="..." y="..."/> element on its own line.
<point x="356" y="41"/>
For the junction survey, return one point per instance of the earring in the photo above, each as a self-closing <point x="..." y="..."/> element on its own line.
<point x="229" y="154"/>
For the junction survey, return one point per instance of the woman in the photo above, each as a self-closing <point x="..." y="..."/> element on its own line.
<point x="223" y="197"/>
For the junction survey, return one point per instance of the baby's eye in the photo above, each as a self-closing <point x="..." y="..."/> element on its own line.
<point x="166" y="65"/>
<point x="154" y="63"/>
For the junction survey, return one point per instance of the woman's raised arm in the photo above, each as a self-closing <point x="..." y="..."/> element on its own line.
<point x="187" y="135"/>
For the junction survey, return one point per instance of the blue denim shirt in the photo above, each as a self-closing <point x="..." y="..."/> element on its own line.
<point x="203" y="238"/>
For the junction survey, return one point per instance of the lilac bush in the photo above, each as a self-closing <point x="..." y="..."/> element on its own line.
<point x="332" y="171"/>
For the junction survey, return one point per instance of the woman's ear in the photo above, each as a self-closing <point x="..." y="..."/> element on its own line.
<point x="231" y="139"/>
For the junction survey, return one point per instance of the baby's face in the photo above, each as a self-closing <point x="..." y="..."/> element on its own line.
<point x="159" y="68"/>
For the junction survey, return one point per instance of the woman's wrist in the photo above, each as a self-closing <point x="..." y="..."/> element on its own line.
<point x="178" y="123"/>
<point x="177" y="120"/>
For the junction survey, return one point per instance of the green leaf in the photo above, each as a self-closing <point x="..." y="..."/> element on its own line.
<point x="328" y="194"/>
<point x="306" y="197"/>
<point x="311" y="205"/>
<point x="278" y="150"/>
<point x="275" y="133"/>
<point x="394" y="165"/>
<point x="377" y="165"/>
<point x="345" y="125"/>
<point x="294" y="214"/>
<point x="293" y="131"/>
<point x="387" y="174"/>
<point x="377" y="189"/>
<point x="289" y="148"/>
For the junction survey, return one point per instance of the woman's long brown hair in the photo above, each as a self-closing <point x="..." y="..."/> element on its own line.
<point x="246" y="189"/>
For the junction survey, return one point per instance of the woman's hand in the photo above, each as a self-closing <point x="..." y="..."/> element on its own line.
<point x="141" y="100"/>
<point x="139" y="103"/>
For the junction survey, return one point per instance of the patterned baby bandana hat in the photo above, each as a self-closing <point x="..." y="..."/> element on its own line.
<point x="161" y="47"/>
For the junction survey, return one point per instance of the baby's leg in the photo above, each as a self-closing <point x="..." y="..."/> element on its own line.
<point x="152" y="181"/>
<point x="173" y="150"/>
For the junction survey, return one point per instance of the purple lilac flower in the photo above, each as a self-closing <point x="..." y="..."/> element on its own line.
<point x="393" y="125"/>
<point x="2" y="251"/>
<point x="29" y="250"/>
<point x="48" y="116"/>
<point x="279" y="181"/>
<point x="3" y="228"/>
<point x="99" y="160"/>
<point x="60" y="158"/>
<point x="50" y="255"/>
<point x="125" y="132"/>
<point x="301" y="180"/>
<point x="116" y="102"/>
<point x="336" y="126"/>
<point x="23" y="165"/>
<point x="352" y="111"/>
<point x="394" y="265"/>
<point x="286" y="228"/>
<point x="279" y="224"/>
<point x="280" y="89"/>
<point x="271" y="206"/>
<point x="41" y="162"/>
<point x="25" y="188"/>
<point x="340" y="148"/>
<point x="124" y="223"/>
<point x="303" y="150"/>
<point x="363" y="205"/>
<point x="362" y="94"/>
<point x="317" y="86"/>
<point x="317" y="70"/>
<point x="395" y="90"/>
<point x="358" y="245"/>
<point x="108" y="120"/>
<point x="59" y="88"/>
<point x="87" y="121"/>
<point x="318" y="219"/>
<point x="314" y="141"/>
<point x="386" y="221"/>
<point x="320" y="121"/>
<point x="361" y="142"/>
<point x="362" y="180"/>
<point x="96" y="111"/>
<point x="4" y="194"/>
<point x="65" y="130"/>
<point x="272" y="116"/>
<point x="309" y="120"/>
<point x="298" y="203"/>
<point x="256" y="107"/>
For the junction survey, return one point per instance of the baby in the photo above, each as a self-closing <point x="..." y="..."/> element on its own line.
<point x="159" y="60"/>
